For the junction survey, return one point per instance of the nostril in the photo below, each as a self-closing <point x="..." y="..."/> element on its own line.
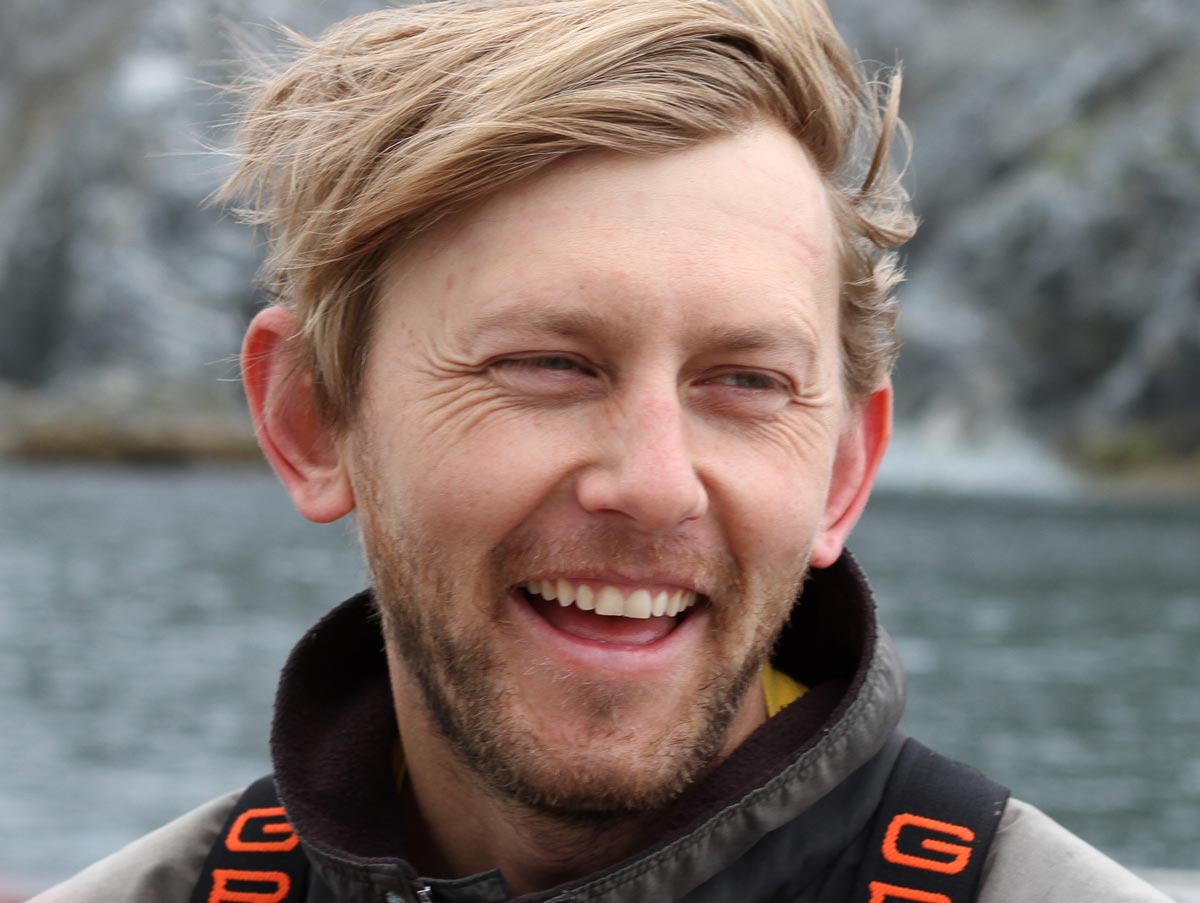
<point x="655" y="499"/>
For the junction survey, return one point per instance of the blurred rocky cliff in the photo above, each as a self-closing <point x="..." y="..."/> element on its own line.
<point x="1054" y="290"/>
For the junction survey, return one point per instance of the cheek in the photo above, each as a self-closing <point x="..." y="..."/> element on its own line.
<point x="771" y="497"/>
<point x="479" y="484"/>
<point x="773" y="536"/>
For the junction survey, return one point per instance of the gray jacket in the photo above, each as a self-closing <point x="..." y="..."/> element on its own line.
<point x="782" y="820"/>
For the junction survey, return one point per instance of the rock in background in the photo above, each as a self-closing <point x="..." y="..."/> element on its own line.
<point x="124" y="295"/>
<point x="1054" y="291"/>
<point x="1055" y="282"/>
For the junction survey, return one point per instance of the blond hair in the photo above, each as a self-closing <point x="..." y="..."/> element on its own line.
<point x="396" y="119"/>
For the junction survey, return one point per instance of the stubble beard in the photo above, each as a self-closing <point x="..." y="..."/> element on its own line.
<point x="442" y="625"/>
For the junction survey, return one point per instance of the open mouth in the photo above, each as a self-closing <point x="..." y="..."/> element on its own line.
<point x="607" y="614"/>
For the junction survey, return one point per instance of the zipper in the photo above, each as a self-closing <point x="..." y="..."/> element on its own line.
<point x="423" y="890"/>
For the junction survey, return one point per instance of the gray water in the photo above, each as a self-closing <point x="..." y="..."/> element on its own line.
<point x="144" y="616"/>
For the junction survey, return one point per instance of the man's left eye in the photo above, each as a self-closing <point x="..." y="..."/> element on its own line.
<point x="748" y="379"/>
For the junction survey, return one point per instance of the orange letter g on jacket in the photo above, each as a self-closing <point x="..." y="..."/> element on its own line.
<point x="958" y="854"/>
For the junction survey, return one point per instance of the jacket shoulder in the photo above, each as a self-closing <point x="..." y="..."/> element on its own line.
<point x="161" y="867"/>
<point x="1034" y="858"/>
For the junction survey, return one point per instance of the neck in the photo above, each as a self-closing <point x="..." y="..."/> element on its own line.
<point x="454" y="831"/>
<point x="455" y="827"/>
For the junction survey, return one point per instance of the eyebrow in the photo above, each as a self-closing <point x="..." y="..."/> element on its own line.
<point x="755" y="338"/>
<point x="536" y="316"/>
<point x="577" y="323"/>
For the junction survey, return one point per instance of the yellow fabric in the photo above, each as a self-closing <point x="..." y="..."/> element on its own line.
<point x="779" y="690"/>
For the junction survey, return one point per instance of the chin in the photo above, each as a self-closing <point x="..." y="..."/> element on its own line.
<point x="615" y="776"/>
<point x="549" y="721"/>
<point x="602" y="749"/>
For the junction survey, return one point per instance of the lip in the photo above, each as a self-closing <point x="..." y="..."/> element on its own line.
<point x="650" y="580"/>
<point x="614" y="659"/>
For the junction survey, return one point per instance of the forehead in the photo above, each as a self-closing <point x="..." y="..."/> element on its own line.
<point x="722" y="231"/>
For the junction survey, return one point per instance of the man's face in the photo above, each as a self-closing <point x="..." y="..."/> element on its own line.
<point x="618" y="385"/>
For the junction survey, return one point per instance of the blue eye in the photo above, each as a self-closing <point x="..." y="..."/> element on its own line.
<point x="559" y="375"/>
<point x="746" y="379"/>
<point x="553" y="363"/>
<point x="550" y="362"/>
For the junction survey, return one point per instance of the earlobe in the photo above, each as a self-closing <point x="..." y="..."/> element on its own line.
<point x="300" y="446"/>
<point x="859" y="453"/>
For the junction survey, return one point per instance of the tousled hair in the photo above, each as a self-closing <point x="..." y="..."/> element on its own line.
<point x="394" y="120"/>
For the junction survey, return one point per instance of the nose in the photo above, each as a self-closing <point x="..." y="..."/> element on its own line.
<point x="644" y="467"/>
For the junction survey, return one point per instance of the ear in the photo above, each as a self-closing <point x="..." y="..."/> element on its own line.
<point x="860" y="450"/>
<point x="301" y="447"/>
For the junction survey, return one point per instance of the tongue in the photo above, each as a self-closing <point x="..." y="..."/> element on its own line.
<point x="588" y="625"/>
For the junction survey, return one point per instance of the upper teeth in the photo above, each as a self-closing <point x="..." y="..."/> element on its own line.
<point x="609" y="600"/>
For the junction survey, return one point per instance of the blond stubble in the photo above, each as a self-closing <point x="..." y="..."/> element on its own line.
<point x="439" y="630"/>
